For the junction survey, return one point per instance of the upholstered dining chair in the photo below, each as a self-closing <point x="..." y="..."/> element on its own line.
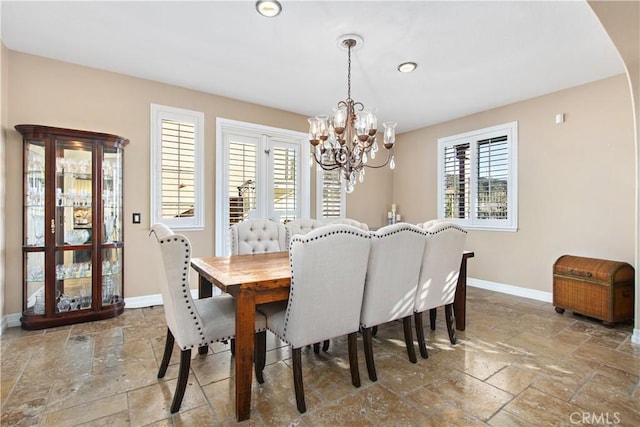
<point x="303" y="226"/>
<point x="300" y="226"/>
<point x="433" y="312"/>
<point x="328" y="268"/>
<point x="194" y="323"/>
<point x="439" y="276"/>
<point x="257" y="235"/>
<point x="352" y="222"/>
<point x="390" y="287"/>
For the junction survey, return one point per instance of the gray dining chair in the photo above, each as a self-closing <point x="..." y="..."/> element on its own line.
<point x="328" y="269"/>
<point x="439" y="276"/>
<point x="194" y="323"/>
<point x="391" y="284"/>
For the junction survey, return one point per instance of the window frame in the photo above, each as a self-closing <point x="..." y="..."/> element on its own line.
<point x="158" y="114"/>
<point x="510" y="130"/>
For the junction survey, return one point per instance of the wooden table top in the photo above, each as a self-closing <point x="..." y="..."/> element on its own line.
<point x="259" y="271"/>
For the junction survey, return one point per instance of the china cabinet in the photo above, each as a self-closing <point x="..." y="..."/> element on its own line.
<point x="73" y="241"/>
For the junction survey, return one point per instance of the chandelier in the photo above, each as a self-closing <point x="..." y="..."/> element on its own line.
<point x="349" y="139"/>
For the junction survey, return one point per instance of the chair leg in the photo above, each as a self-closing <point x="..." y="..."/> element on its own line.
<point x="432" y="318"/>
<point x="260" y="354"/>
<point x="420" y="335"/>
<point x="368" y="353"/>
<point x="448" y="312"/>
<point x="316" y="348"/>
<point x="408" y="339"/>
<point x="183" y="376"/>
<point x="352" y="340"/>
<point x="297" y="380"/>
<point x="325" y="345"/>
<point x="166" y="357"/>
<point x="233" y="346"/>
<point x="374" y="331"/>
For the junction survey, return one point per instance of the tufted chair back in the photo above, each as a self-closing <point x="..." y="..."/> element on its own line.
<point x="300" y="226"/>
<point x="351" y="222"/>
<point x="257" y="235"/>
<point x="429" y="224"/>
<point x="391" y="284"/>
<point x="440" y="265"/>
<point x="182" y="316"/>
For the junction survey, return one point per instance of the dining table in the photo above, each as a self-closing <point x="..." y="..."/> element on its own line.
<point x="261" y="278"/>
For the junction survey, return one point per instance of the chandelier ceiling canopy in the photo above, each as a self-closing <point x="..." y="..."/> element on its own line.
<point x="348" y="139"/>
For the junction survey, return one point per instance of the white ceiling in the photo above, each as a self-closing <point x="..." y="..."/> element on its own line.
<point x="472" y="56"/>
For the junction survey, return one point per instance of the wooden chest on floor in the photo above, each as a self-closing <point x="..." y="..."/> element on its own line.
<point x="597" y="288"/>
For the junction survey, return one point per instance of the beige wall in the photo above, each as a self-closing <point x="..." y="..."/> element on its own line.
<point x="576" y="182"/>
<point x="54" y="93"/>
<point x="621" y="20"/>
<point x="4" y="76"/>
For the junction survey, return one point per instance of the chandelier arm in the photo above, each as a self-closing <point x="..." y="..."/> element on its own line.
<point x="326" y="167"/>
<point x="386" y="162"/>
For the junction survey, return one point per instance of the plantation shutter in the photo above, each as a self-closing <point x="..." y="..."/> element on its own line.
<point x="242" y="181"/>
<point x="456" y="180"/>
<point x="331" y="194"/>
<point x="177" y="169"/>
<point x="492" y="178"/>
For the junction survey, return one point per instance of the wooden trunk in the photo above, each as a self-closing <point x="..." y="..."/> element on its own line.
<point x="597" y="288"/>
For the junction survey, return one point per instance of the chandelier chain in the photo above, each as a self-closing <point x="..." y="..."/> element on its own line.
<point x="349" y="71"/>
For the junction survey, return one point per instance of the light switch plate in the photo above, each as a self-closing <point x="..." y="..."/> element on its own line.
<point x="136" y="218"/>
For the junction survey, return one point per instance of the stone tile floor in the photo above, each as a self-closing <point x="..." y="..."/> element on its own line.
<point x="517" y="364"/>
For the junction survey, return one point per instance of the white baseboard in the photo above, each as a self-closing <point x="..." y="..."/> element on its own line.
<point x="635" y="338"/>
<point x="13" y="319"/>
<point x="510" y="289"/>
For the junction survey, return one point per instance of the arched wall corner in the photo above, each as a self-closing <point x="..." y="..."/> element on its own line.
<point x="621" y="21"/>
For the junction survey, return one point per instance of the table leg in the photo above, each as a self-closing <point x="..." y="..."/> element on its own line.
<point x="204" y="291"/>
<point x="460" y="302"/>
<point x="245" y="329"/>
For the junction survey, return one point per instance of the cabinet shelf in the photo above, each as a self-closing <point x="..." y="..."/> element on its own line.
<point x="72" y="183"/>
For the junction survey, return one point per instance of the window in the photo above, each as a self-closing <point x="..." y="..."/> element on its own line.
<point x="477" y="178"/>
<point x="177" y="150"/>
<point x="259" y="174"/>
<point x="330" y="194"/>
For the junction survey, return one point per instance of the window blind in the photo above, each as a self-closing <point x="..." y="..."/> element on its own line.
<point x="242" y="181"/>
<point x="331" y="194"/>
<point x="492" y="178"/>
<point x="457" y="185"/>
<point x="178" y="169"/>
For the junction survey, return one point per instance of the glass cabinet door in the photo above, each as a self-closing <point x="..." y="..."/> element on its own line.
<point x="34" y="226"/>
<point x="73" y="224"/>
<point x="112" y="219"/>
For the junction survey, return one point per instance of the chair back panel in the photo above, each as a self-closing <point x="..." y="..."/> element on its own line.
<point x="351" y="222"/>
<point x="300" y="226"/>
<point x="392" y="273"/>
<point x="257" y="235"/>
<point x="328" y="268"/>
<point x="440" y="265"/>
<point x="181" y="314"/>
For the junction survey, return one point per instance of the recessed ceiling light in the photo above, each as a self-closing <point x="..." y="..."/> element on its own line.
<point x="407" y="67"/>
<point x="268" y="8"/>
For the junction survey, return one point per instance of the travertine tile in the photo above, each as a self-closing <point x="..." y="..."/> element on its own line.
<point x="519" y="365"/>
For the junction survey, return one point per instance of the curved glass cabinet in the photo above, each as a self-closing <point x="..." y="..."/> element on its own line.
<point x="73" y="240"/>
